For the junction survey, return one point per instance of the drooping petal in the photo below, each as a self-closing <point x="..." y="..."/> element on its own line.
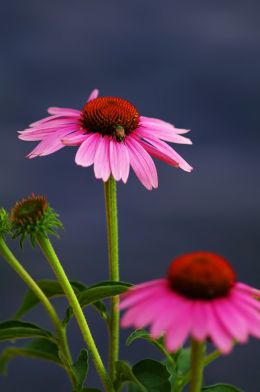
<point x="216" y="330"/>
<point x="163" y="151"/>
<point x="231" y="319"/>
<point x="199" y="327"/>
<point x="102" y="162"/>
<point x="142" y="163"/>
<point x="86" y="153"/>
<point x="179" y="329"/>
<point x="119" y="160"/>
<point x="48" y="145"/>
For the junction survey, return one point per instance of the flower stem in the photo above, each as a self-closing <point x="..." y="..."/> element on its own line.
<point x="112" y="239"/>
<point x="197" y="365"/>
<point x="58" y="270"/>
<point x="30" y="282"/>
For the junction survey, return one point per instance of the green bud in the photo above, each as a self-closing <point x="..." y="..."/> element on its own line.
<point x="33" y="217"/>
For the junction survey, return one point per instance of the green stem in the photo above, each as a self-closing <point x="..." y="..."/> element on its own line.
<point x="30" y="282"/>
<point x="211" y="357"/>
<point x="112" y="238"/>
<point x="197" y="365"/>
<point x="58" y="270"/>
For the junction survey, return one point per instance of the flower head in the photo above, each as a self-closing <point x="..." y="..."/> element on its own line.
<point x="112" y="135"/>
<point x="33" y="217"/>
<point x="199" y="297"/>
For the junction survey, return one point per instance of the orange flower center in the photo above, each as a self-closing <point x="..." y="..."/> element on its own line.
<point x="201" y="275"/>
<point x="110" y="116"/>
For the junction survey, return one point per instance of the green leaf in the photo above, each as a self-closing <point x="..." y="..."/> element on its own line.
<point x="153" y="375"/>
<point x="143" y="334"/>
<point x="80" y="369"/>
<point x="221" y="388"/>
<point x="183" y="360"/>
<point x="124" y="374"/>
<point x="96" y="293"/>
<point x="51" y="288"/>
<point x="38" y="348"/>
<point x="14" y="329"/>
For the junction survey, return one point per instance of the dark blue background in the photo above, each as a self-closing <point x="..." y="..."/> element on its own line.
<point x="193" y="63"/>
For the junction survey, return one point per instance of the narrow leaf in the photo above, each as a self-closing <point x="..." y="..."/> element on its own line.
<point x="96" y="293"/>
<point x="51" y="288"/>
<point x="80" y="369"/>
<point x="221" y="388"/>
<point x="14" y="329"/>
<point x="38" y="348"/>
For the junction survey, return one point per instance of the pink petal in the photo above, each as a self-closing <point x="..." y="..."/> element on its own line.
<point x="250" y="315"/>
<point x="156" y="121"/>
<point x="163" y="151"/>
<point x="135" y="296"/>
<point x="178" y="331"/>
<point x="101" y="162"/>
<point x="86" y="153"/>
<point x="218" y="333"/>
<point x="231" y="319"/>
<point x="74" y="139"/>
<point x="48" y="146"/>
<point x="64" y="112"/>
<point x="173" y="306"/>
<point x="142" y="163"/>
<point x="34" y="135"/>
<point x="199" y="320"/>
<point x="157" y="131"/>
<point x="119" y="160"/>
<point x="93" y="95"/>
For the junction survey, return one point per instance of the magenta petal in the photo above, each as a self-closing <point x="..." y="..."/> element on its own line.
<point x="179" y="329"/>
<point x="142" y="163"/>
<point x="86" y="152"/>
<point x="199" y="328"/>
<point x="101" y="162"/>
<point x="231" y="319"/>
<point x="218" y="333"/>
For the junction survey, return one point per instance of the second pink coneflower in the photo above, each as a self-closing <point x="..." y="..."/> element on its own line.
<point x="201" y="298"/>
<point x="111" y="135"/>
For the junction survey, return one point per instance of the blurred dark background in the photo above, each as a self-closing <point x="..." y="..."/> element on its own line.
<point x="193" y="63"/>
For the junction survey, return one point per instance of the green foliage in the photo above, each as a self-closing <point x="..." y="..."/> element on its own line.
<point x="51" y="288"/>
<point x="90" y="390"/>
<point x="37" y="348"/>
<point x="124" y="375"/>
<point x="5" y="224"/>
<point x="143" y="334"/>
<point x="13" y="329"/>
<point x="97" y="292"/>
<point x="221" y="388"/>
<point x="80" y="369"/>
<point x="153" y="375"/>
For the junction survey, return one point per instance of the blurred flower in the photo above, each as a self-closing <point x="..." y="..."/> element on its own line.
<point x="32" y="217"/>
<point x="199" y="297"/>
<point x="112" y="135"/>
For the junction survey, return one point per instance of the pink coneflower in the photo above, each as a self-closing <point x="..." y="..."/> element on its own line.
<point x="199" y="297"/>
<point x="112" y="135"/>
